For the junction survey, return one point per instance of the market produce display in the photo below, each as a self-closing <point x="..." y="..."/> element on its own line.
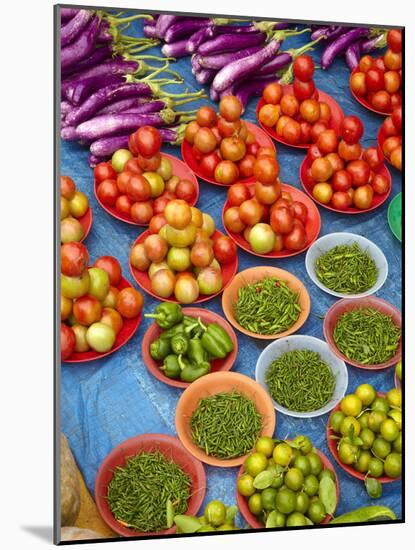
<point x="126" y="112"/>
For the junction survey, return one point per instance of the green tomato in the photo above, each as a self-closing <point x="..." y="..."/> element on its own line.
<point x="316" y="511"/>
<point x="285" y="500"/>
<point x="255" y="464"/>
<point x="119" y="158"/>
<point x="368" y="437"/>
<point x="268" y="498"/>
<point x="397" y="444"/>
<point x="362" y="463"/>
<point x="296" y="519"/>
<point x="302" y="503"/>
<point x="366" y="393"/>
<point x="294" y="479"/>
<point x="303" y="464"/>
<point x="364" y="419"/>
<point x="393" y="465"/>
<point x="255" y="504"/>
<point x="165" y="169"/>
<point x="347" y="422"/>
<point x="245" y="485"/>
<point x="381" y="448"/>
<point x="303" y="443"/>
<point x="347" y="453"/>
<point x="389" y="429"/>
<point x="336" y="420"/>
<point x="282" y="454"/>
<point x="215" y="513"/>
<point x="380" y="404"/>
<point x="398" y="370"/>
<point x="375" y="468"/>
<point x="311" y="485"/>
<point x="265" y="445"/>
<point x="394" y="397"/>
<point x="375" y="420"/>
<point x="315" y="463"/>
<point x="100" y="337"/>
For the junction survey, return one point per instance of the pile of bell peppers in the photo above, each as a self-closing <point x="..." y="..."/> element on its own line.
<point x="187" y="346"/>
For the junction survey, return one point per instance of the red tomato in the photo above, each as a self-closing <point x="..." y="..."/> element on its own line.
<point x="381" y="101"/>
<point x="360" y="172"/>
<point x="351" y="129"/>
<point x="112" y="266"/>
<point x="156" y="223"/>
<point x="325" y="111"/>
<point x="230" y="108"/>
<point x="392" y="81"/>
<point x="303" y="90"/>
<point x="363" y="197"/>
<point x="206" y="116"/>
<point x="389" y="127"/>
<point x="122" y="180"/>
<point x="232" y="148"/>
<point x="104" y="171"/>
<point x="217" y="134"/>
<point x="148" y="141"/>
<point x="380" y="184"/>
<point x="267" y="194"/>
<point x="226" y="172"/>
<point x="232" y="220"/>
<point x="266" y="169"/>
<point x="392" y="60"/>
<point x="129" y="302"/>
<point x="224" y="249"/>
<point x="252" y="149"/>
<point x="390" y="144"/>
<point x="205" y="140"/>
<point x="281" y="220"/>
<point x="349" y="152"/>
<point x="291" y="132"/>
<point x="316" y="129"/>
<point x="397" y="117"/>
<point x="68" y="341"/>
<point x="305" y="128"/>
<point x="396" y="99"/>
<point x="272" y="93"/>
<point x="186" y="190"/>
<point x="142" y="212"/>
<point x="327" y="141"/>
<point x="289" y="105"/>
<point x="374" y="157"/>
<point x="108" y="192"/>
<point x="123" y="205"/>
<point x="74" y="259"/>
<point x="68" y="187"/>
<point x="297" y="238"/>
<point x="394" y="40"/>
<point x="321" y="169"/>
<point x="365" y="63"/>
<point x="246" y="166"/>
<point x="190" y="132"/>
<point x="336" y="162"/>
<point x="149" y="164"/>
<point x="159" y="204"/>
<point x="132" y="166"/>
<point x="226" y="128"/>
<point x="341" y="181"/>
<point x="358" y="83"/>
<point x="209" y="163"/>
<point x="310" y="110"/>
<point x="303" y="68"/>
<point x="314" y="152"/>
<point x="251" y="211"/>
<point x="375" y="80"/>
<point x="378" y="63"/>
<point x="266" y="152"/>
<point x="299" y="211"/>
<point x="87" y="310"/>
<point x="138" y="188"/>
<point x="238" y="193"/>
<point x="341" y="200"/>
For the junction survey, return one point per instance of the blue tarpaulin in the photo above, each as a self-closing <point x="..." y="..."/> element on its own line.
<point x="107" y="401"/>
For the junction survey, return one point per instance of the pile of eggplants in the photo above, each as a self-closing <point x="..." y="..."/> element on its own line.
<point x="352" y="42"/>
<point x="103" y="100"/>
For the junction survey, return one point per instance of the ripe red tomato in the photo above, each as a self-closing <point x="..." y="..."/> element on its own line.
<point x="232" y="220"/>
<point x="252" y="149"/>
<point x="156" y="223"/>
<point x="299" y="211"/>
<point x="316" y="129"/>
<point x="321" y="169"/>
<point x="68" y="187"/>
<point x="238" y="193"/>
<point x="190" y="132"/>
<point x="123" y="205"/>
<point x="267" y="194"/>
<point x="380" y="184"/>
<point x="303" y="90"/>
<point x="232" y="148"/>
<point x="310" y="110"/>
<point x="68" y="341"/>
<point x="272" y="93"/>
<point x="269" y="114"/>
<point x="132" y="166"/>
<point x="246" y="166"/>
<point x="266" y="169"/>
<point x="149" y="164"/>
<point x="341" y="200"/>
<point x="104" y="171"/>
<point x="108" y="192"/>
<point x="305" y="128"/>
<point x="314" y="152"/>
<point x="392" y="60"/>
<point x="138" y="188"/>
<point x="378" y="63"/>
<point x="251" y="211"/>
<point x="205" y="140"/>
<point x="381" y="101"/>
<point x="206" y="116"/>
<point x="142" y="212"/>
<point x="147" y="140"/>
<point x="327" y="141"/>
<point x="394" y="40"/>
<point x="351" y="129"/>
<point x="159" y="204"/>
<point x="289" y="105"/>
<point x="390" y="144"/>
<point x="122" y="180"/>
<point x="224" y="249"/>
<point x="349" y="152"/>
<point x="230" y="108"/>
<point x="297" y="238"/>
<point x="226" y="172"/>
<point x="74" y="259"/>
<point x="397" y="117"/>
<point x="360" y="172"/>
<point x="392" y="81"/>
<point x="186" y="190"/>
<point x="226" y="128"/>
<point x="341" y="181"/>
<point x="396" y="99"/>
<point x="266" y="152"/>
<point x="291" y="132"/>
<point x="87" y="310"/>
<point x="375" y="80"/>
<point x="389" y="127"/>
<point x="358" y="83"/>
<point x="374" y="157"/>
<point x="129" y="302"/>
<point x="112" y="266"/>
<point x="303" y="68"/>
<point x="363" y="197"/>
<point x="281" y="220"/>
<point x="365" y="63"/>
<point x="336" y="162"/>
<point x="209" y="163"/>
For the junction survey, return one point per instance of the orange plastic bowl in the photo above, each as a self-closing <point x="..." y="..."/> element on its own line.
<point x="154" y="331"/>
<point x="211" y="384"/>
<point x="332" y="445"/>
<point x="179" y="169"/>
<point x="363" y="101"/>
<point x="189" y="157"/>
<point x="143" y="280"/>
<point x="253" y="520"/>
<point x="349" y="304"/>
<point x="335" y="121"/>
<point x="258" y="273"/>
<point x="312" y="226"/>
<point x="173" y="450"/>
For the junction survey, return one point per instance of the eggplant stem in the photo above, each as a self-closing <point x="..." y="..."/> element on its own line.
<point x="170" y="71"/>
<point x="132" y="49"/>
<point x="115" y="21"/>
<point x="186" y="93"/>
<point x="184" y="101"/>
<point x="156" y="72"/>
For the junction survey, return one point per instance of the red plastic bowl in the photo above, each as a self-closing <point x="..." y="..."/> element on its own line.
<point x="143" y="280"/>
<point x="336" y="119"/>
<point x="172" y="449"/>
<point x="86" y="222"/>
<point x="332" y="445"/>
<point x="154" y="331"/>
<point x="127" y="331"/>
<point x="349" y="304"/>
<point x="381" y="140"/>
<point x="312" y="226"/>
<point x="253" y="520"/>
<point x="364" y="101"/>
<point x="179" y="169"/>
<point x="378" y="200"/>
<point x="189" y="157"/>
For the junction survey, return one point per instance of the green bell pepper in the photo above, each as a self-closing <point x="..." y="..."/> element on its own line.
<point x="179" y="343"/>
<point x="166" y="315"/>
<point x="194" y="371"/>
<point x="168" y="334"/>
<point x="159" y="349"/>
<point x="216" y="341"/>
<point x="196" y="352"/>
<point x="171" y="366"/>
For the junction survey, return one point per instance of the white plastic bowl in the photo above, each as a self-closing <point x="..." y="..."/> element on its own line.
<point x="327" y="242"/>
<point x="290" y="343"/>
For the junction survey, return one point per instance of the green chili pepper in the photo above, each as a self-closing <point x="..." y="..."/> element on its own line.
<point x="193" y="371"/>
<point x="159" y="349"/>
<point x="168" y="334"/>
<point x="171" y="366"/>
<point x="166" y="315"/>
<point x="180" y="343"/>
<point x="365" y="514"/>
<point x="196" y="352"/>
<point x="216" y="341"/>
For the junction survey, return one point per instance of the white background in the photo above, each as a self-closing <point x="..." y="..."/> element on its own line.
<point x="26" y="277"/>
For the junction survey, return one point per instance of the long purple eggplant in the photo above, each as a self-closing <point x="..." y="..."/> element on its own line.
<point x="78" y="91"/>
<point x="205" y="76"/>
<point x="121" y="123"/>
<point x="199" y="37"/>
<point x="352" y="55"/>
<point x="69" y="133"/>
<point x="217" y="61"/>
<point x="96" y="58"/>
<point x="319" y="31"/>
<point x="150" y="31"/>
<point x="340" y="45"/>
<point x="75" y="26"/>
<point x="371" y="44"/>
<point x="149" y="107"/>
<point x="283" y="59"/>
<point x="68" y="13"/>
<point x="164" y="22"/>
<point x="231" y="42"/>
<point x="185" y="28"/>
<point x="176" y="49"/>
<point x="123" y="105"/>
<point x="82" y="47"/>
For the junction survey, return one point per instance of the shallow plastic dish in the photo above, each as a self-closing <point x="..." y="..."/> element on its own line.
<point x="327" y="242"/>
<point x="290" y="343"/>
<point x="395" y="216"/>
<point x="173" y="450"/>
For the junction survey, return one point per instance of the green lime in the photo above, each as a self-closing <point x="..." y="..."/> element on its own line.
<point x="364" y="420"/>
<point x="255" y="464"/>
<point x="327" y="473"/>
<point x="278" y="481"/>
<point x="282" y="454"/>
<point x="351" y="405"/>
<point x="311" y="485"/>
<point x="285" y="500"/>
<point x="380" y="404"/>
<point x="336" y="420"/>
<point x="347" y="422"/>
<point x="245" y="485"/>
<point x="215" y="513"/>
<point x="279" y="519"/>
<point x="381" y="448"/>
<point x="366" y="393"/>
<point x="362" y="463"/>
<point x="368" y="437"/>
<point x="316" y="511"/>
<point x="396" y="415"/>
<point x="255" y="504"/>
<point x="393" y="465"/>
<point x="303" y="463"/>
<point x="347" y="452"/>
<point x="398" y="370"/>
<point x="296" y="519"/>
<point x="375" y="467"/>
<point x="397" y="444"/>
<point x="389" y="429"/>
<point x="394" y="397"/>
<point x="294" y="479"/>
<point x="303" y="443"/>
<point x="315" y="463"/>
<point x="265" y="445"/>
<point x="295" y="454"/>
<point x="375" y="420"/>
<point x="268" y="498"/>
<point x="302" y="503"/>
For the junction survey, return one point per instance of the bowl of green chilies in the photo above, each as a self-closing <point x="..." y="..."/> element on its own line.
<point x="346" y="265"/>
<point x="364" y="332"/>
<point x="303" y="377"/>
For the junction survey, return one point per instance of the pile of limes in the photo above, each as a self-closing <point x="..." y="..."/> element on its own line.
<point x="370" y="428"/>
<point x="286" y="484"/>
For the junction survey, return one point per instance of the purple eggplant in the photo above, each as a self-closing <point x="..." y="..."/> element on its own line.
<point x="105" y="147"/>
<point x="121" y="123"/>
<point x="66" y="107"/>
<point x="164" y="22"/>
<point x="340" y="45"/>
<point x="123" y="105"/>
<point x="148" y="107"/>
<point x="217" y="61"/>
<point x="76" y="92"/>
<point x="231" y="42"/>
<point x="319" y="32"/>
<point x="150" y="31"/>
<point x="205" y="76"/>
<point x="185" y="28"/>
<point x="69" y="133"/>
<point x="176" y="49"/>
<point x="352" y="55"/>
<point x="276" y="64"/>
<point x="93" y="160"/>
<point x="82" y="47"/>
<point x="116" y="66"/>
<point x="68" y="13"/>
<point x="104" y="34"/>
<point x="199" y="37"/>
<point x="97" y="57"/>
<point x="75" y="26"/>
<point x="253" y="87"/>
<point x="371" y="44"/>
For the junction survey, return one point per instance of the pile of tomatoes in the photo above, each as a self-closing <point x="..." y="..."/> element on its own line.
<point x="379" y="80"/>
<point x="139" y="182"/>
<point x="184" y="257"/>
<point x="391" y="131"/>
<point x="342" y="174"/>
<point x="93" y="307"/>
<point x="269" y="218"/>
<point x="222" y="145"/>
<point x="297" y="117"/>
<point x="74" y="205"/>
